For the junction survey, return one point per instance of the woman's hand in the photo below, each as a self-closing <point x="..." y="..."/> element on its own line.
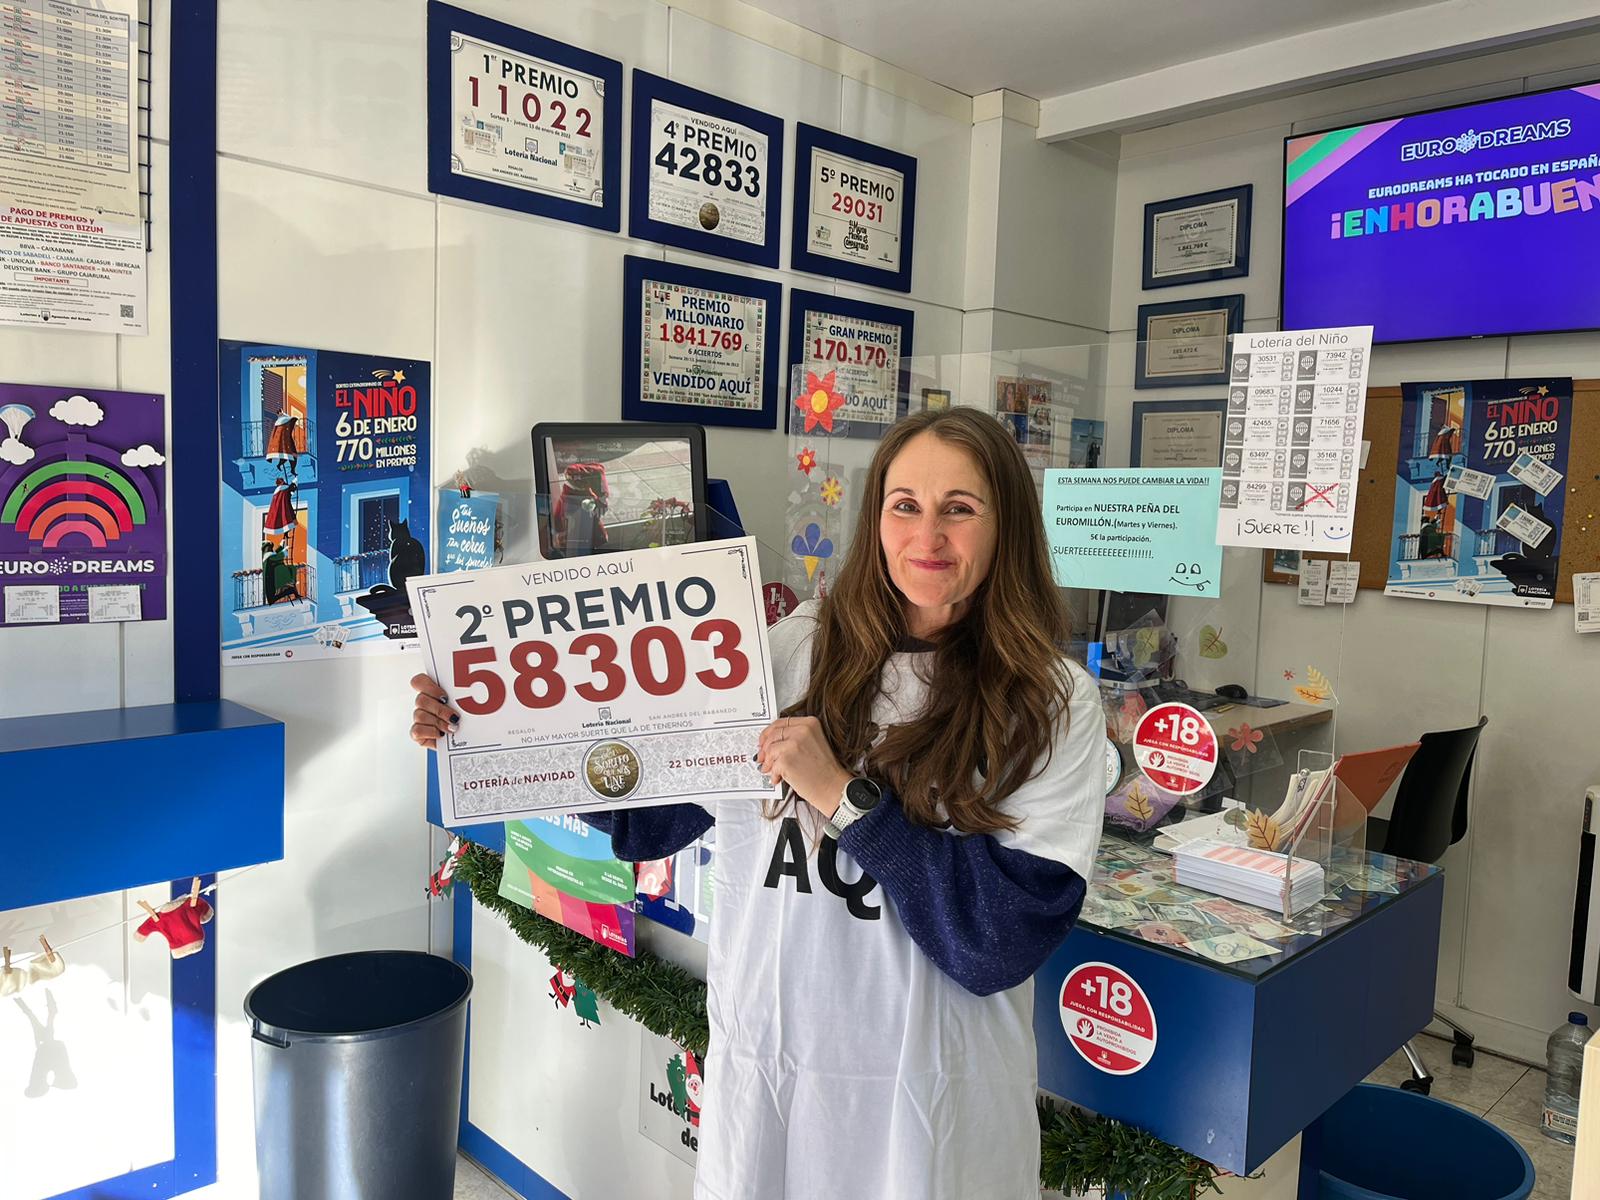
<point x="794" y="751"/>
<point x="432" y="717"/>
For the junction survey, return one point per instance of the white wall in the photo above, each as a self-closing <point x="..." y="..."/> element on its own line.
<point x="1403" y="667"/>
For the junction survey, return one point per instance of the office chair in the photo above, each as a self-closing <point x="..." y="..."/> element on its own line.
<point x="1430" y="816"/>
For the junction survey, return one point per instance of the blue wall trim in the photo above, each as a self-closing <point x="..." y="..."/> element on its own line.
<point x="490" y="1154"/>
<point x="194" y="447"/>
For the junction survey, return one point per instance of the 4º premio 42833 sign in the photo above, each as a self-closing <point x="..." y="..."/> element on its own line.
<point x="613" y="681"/>
<point x="707" y="173"/>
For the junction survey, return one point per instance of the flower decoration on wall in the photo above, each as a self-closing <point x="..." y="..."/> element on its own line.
<point x="832" y="490"/>
<point x="807" y="461"/>
<point x="1245" y="738"/>
<point x="1288" y="674"/>
<point x="812" y="548"/>
<point x="820" y="401"/>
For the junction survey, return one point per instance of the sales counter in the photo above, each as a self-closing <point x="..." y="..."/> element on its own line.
<point x="1151" y="1012"/>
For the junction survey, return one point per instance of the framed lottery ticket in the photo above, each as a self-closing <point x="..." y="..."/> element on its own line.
<point x="863" y="347"/>
<point x="854" y="209"/>
<point x="522" y="121"/>
<point x="698" y="345"/>
<point x="613" y="681"/>
<point x="707" y="173"/>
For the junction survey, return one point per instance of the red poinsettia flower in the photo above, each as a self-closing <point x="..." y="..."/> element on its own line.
<point x="807" y="459"/>
<point x="1245" y="738"/>
<point x="1288" y="674"/>
<point x="819" y="401"/>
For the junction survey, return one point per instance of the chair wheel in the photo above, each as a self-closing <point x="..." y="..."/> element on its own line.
<point x="1462" y="1056"/>
<point x="1420" y="1086"/>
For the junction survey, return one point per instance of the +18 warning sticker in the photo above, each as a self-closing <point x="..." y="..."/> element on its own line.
<point x="1108" y="1018"/>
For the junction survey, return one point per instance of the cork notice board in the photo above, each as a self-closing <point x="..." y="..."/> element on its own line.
<point x="1369" y="542"/>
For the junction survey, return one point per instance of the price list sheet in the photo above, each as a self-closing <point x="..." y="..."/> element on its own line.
<point x="71" y="231"/>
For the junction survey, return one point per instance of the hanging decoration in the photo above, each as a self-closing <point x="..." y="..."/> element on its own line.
<point x="819" y="400"/>
<point x="179" y="922"/>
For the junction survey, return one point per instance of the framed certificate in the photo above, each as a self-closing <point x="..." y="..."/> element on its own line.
<point x="850" y="349"/>
<point x="1177" y="433"/>
<point x="521" y="121"/>
<point x="1185" y="342"/>
<point x="854" y="209"/>
<point x="1195" y="239"/>
<point x="707" y="173"/>
<point x="698" y="345"/>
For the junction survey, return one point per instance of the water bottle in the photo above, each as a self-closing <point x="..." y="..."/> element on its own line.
<point x="1564" y="1059"/>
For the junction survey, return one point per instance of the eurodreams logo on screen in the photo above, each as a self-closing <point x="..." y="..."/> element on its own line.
<point x="1465" y="143"/>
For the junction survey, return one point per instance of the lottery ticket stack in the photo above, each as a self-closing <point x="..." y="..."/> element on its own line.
<point x="1251" y="876"/>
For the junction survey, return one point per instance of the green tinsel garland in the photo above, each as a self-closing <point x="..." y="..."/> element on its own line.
<point x="1079" y="1150"/>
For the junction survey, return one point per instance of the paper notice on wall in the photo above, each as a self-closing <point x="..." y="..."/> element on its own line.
<point x="1586" y="601"/>
<point x="1314" y="582"/>
<point x="71" y="232"/>
<point x="33" y="605"/>
<point x="1292" y="438"/>
<point x="1343" y="580"/>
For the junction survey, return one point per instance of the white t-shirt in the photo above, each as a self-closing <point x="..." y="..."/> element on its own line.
<point x="843" y="1063"/>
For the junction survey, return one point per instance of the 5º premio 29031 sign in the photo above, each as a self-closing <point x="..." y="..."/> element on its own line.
<point x="522" y="121"/>
<point x="854" y="211"/>
<point x="708" y="173"/>
<point x="617" y="680"/>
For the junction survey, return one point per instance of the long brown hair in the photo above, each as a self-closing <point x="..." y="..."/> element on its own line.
<point x="997" y="682"/>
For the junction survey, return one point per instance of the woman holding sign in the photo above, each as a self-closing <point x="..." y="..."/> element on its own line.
<point x="876" y="933"/>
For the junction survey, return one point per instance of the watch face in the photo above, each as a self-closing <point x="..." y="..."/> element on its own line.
<point x="1113" y="766"/>
<point x="863" y="794"/>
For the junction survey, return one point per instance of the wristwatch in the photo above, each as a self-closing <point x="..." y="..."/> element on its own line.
<point x="860" y="797"/>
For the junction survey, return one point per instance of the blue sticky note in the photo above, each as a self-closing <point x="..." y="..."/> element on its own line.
<point x="466" y="530"/>
<point x="1135" y="530"/>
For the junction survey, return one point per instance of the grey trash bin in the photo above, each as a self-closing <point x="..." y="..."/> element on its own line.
<point x="357" y="1061"/>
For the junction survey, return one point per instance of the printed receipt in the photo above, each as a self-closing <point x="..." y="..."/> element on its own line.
<point x="115" y="602"/>
<point x="1586" y="601"/>
<point x="33" y="605"/>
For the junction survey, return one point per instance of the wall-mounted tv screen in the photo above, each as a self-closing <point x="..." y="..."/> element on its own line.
<point x="1477" y="220"/>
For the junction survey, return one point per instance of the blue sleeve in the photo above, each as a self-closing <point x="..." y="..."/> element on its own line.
<point x="987" y="915"/>
<point x="642" y="834"/>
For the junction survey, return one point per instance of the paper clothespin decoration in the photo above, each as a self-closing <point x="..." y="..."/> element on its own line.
<point x="179" y="922"/>
<point x="37" y="970"/>
<point x="462" y="485"/>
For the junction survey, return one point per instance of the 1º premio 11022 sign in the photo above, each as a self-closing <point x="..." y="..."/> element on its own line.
<point x="614" y="681"/>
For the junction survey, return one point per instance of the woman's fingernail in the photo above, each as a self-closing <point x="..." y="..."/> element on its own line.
<point x="455" y="718"/>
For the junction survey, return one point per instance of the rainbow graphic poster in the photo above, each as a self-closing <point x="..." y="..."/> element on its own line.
<point x="83" y="505"/>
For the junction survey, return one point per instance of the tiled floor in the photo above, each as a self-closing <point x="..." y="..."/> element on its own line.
<point x="473" y="1184"/>
<point x="1507" y="1093"/>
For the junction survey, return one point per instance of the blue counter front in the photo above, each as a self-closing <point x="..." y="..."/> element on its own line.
<point x="1245" y="1055"/>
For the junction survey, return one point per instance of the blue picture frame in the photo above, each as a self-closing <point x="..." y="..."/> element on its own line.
<point x="445" y="19"/>
<point x="1176" y="408"/>
<point x="1241" y="195"/>
<point x="809" y="138"/>
<point x="635" y="271"/>
<point x="1232" y="305"/>
<point x="648" y="88"/>
<point x="802" y="302"/>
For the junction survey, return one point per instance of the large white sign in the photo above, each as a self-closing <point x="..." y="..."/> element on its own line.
<point x="613" y="681"/>
<point x="526" y="122"/>
<point x="707" y="173"/>
<point x="1292" y="438"/>
<point x="855" y="210"/>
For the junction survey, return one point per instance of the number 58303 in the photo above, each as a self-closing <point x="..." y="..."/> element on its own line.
<point x="541" y="673"/>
